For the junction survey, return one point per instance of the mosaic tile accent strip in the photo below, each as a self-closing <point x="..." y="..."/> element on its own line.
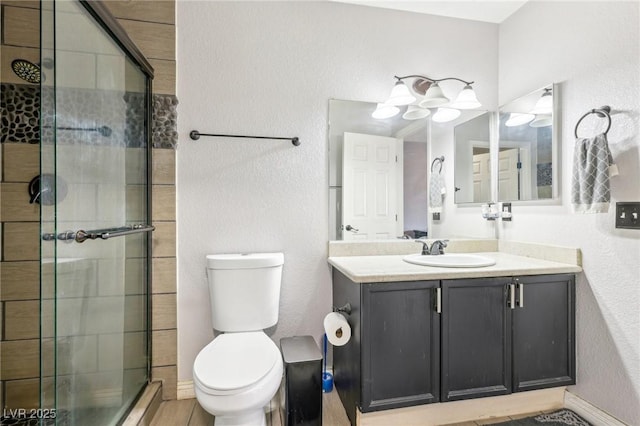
<point x="544" y="175"/>
<point x="86" y="116"/>
<point x="20" y="113"/>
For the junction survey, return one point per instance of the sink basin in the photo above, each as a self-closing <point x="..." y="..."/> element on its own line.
<point x="451" y="260"/>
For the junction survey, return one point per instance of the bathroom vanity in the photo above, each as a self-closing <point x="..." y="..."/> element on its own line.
<point x="428" y="334"/>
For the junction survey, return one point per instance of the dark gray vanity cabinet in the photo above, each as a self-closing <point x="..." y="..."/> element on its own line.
<point x="429" y="341"/>
<point x="400" y="345"/>
<point x="476" y="338"/>
<point x="544" y="332"/>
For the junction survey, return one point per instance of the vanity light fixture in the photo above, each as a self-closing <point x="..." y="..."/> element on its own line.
<point x="444" y="115"/>
<point x="542" y="120"/>
<point x="385" y="110"/>
<point x="544" y="105"/>
<point x="415" y="112"/>
<point x="431" y="96"/>
<point x="518" y="119"/>
<point x="400" y="95"/>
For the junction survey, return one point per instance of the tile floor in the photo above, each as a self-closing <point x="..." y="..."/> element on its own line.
<point x="188" y="412"/>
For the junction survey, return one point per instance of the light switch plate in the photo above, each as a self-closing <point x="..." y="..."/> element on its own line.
<point x="628" y="215"/>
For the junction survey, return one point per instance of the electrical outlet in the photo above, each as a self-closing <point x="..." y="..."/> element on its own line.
<point x="628" y="215"/>
<point x="436" y="216"/>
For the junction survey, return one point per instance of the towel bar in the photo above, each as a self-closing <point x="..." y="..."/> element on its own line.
<point x="603" y="111"/>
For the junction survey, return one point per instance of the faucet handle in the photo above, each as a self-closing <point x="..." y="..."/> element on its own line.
<point x="425" y="246"/>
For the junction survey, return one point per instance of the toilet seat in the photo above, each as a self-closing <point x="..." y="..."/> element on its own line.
<point x="233" y="362"/>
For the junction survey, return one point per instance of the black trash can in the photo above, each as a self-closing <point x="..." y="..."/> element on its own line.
<point x="302" y="385"/>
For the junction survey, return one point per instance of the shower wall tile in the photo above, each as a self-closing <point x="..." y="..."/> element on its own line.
<point x="143" y="10"/>
<point x="164" y="275"/>
<point x="32" y="4"/>
<point x="164" y="166"/>
<point x="20" y="162"/>
<point x="164" y="76"/>
<point x="156" y="41"/>
<point x="23" y="393"/>
<point x="21" y="241"/>
<point x="169" y="378"/>
<point x="164" y="346"/>
<point x="20" y="280"/>
<point x="164" y="202"/>
<point x="8" y="54"/>
<point x="14" y="203"/>
<point x="20" y="26"/>
<point x="20" y="359"/>
<point x="164" y="239"/>
<point x="164" y="311"/>
<point x="22" y="319"/>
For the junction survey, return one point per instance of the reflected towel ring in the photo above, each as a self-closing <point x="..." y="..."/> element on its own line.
<point x="439" y="159"/>
<point x="603" y="111"/>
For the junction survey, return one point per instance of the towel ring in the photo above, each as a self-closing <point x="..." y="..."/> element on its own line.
<point x="439" y="159"/>
<point x="603" y="111"/>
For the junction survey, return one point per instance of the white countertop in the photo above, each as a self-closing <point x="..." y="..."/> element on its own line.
<point x="391" y="268"/>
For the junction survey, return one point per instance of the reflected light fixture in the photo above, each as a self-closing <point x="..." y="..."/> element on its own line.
<point x="385" y="110"/>
<point x="444" y="115"/>
<point x="518" y="119"/>
<point x="542" y="120"/>
<point x="414" y="112"/>
<point x="544" y="104"/>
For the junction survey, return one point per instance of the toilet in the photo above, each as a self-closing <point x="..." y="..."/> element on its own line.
<point x="236" y="375"/>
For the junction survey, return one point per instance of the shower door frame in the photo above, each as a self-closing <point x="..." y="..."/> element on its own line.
<point x="103" y="17"/>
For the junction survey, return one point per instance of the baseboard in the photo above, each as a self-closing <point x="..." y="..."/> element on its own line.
<point x="589" y="412"/>
<point x="186" y="390"/>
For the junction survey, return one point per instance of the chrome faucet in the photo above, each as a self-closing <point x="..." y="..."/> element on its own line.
<point x="437" y="247"/>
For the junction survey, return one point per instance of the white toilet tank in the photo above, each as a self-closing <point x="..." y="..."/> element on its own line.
<point x="244" y="290"/>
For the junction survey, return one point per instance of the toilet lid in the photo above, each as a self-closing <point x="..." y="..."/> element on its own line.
<point x="235" y="360"/>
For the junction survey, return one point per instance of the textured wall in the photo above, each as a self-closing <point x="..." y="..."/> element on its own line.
<point x="593" y="50"/>
<point x="269" y="68"/>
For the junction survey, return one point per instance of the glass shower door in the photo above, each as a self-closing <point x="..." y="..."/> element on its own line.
<point x="94" y="192"/>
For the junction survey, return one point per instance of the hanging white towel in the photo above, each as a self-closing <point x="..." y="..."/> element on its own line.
<point x="437" y="190"/>
<point x="592" y="168"/>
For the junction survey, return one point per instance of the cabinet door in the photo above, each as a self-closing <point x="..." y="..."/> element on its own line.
<point x="544" y="332"/>
<point x="476" y="338"/>
<point x="400" y="345"/>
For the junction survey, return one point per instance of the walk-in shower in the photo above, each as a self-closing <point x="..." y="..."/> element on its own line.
<point x="92" y="121"/>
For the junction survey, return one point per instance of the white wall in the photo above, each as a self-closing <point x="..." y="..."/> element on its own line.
<point x="592" y="49"/>
<point x="269" y="68"/>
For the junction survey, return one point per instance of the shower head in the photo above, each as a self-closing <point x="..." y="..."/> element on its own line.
<point x="28" y="71"/>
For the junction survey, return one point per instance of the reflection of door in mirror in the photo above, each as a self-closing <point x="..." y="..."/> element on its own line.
<point x="371" y="187"/>
<point x="514" y="171"/>
<point x="472" y="172"/>
<point x="481" y="175"/>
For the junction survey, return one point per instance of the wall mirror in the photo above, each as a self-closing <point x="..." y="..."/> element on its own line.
<point x="472" y="172"/>
<point x="527" y="154"/>
<point x="391" y="182"/>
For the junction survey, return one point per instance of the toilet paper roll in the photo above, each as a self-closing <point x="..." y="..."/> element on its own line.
<point x="337" y="329"/>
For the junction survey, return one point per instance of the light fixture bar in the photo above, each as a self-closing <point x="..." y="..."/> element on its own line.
<point x="433" y="80"/>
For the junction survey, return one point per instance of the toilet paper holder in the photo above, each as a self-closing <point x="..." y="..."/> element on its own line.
<point x="345" y="309"/>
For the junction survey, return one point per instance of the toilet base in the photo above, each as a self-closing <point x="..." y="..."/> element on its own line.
<point x="252" y="418"/>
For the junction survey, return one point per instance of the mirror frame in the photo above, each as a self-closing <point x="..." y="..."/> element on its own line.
<point x="556" y="170"/>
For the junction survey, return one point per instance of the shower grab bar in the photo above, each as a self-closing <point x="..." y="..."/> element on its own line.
<point x="81" y="236"/>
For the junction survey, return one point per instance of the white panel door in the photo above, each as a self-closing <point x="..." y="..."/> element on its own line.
<point x="481" y="178"/>
<point x="508" y="174"/>
<point x="370" y="184"/>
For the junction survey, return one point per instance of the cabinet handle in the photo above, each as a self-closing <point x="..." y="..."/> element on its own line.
<point x="438" y="300"/>
<point x="512" y="296"/>
<point x="521" y="295"/>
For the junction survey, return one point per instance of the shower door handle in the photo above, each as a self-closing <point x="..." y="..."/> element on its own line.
<point x="81" y="236"/>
